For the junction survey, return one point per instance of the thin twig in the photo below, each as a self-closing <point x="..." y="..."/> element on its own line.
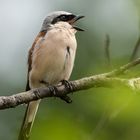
<point x="107" y="49"/>
<point x="124" y="68"/>
<point x="135" y="50"/>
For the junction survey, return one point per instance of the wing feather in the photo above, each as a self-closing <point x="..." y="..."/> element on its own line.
<point x="41" y="34"/>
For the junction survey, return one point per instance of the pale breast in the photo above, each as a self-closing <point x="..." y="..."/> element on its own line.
<point x="54" y="56"/>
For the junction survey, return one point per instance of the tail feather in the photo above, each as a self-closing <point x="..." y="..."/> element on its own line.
<point x="28" y="120"/>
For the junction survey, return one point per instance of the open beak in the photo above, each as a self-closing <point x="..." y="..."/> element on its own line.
<point x="73" y="21"/>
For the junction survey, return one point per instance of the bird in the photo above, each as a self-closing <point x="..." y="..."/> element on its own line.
<point x="50" y="60"/>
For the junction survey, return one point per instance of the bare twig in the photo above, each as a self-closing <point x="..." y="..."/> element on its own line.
<point x="102" y="80"/>
<point x="124" y="68"/>
<point x="107" y="49"/>
<point x="135" y="51"/>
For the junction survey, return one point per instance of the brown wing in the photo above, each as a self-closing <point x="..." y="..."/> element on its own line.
<point x="41" y="34"/>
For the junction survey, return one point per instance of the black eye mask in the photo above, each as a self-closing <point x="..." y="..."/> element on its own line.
<point x="63" y="18"/>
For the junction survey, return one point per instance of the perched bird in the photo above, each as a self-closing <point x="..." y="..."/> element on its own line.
<point x="50" y="59"/>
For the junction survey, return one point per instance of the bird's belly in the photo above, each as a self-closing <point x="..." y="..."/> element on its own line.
<point x="59" y="67"/>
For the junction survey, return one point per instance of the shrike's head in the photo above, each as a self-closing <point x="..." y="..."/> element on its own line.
<point x="61" y="16"/>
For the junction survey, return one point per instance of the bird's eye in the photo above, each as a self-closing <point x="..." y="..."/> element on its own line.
<point x="63" y="18"/>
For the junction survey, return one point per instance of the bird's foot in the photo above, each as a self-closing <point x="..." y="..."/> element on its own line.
<point x="69" y="87"/>
<point x="54" y="91"/>
<point x="66" y="98"/>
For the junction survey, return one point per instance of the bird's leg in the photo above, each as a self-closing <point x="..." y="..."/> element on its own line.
<point x="53" y="90"/>
<point x="69" y="87"/>
<point x="66" y="98"/>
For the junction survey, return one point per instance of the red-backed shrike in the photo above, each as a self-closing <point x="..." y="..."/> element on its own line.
<point x="50" y="59"/>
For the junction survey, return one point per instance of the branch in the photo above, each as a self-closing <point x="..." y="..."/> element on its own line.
<point x="101" y="80"/>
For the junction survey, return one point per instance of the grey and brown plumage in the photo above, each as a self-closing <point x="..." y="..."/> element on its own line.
<point x="50" y="59"/>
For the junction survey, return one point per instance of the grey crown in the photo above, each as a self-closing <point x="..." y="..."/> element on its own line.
<point x="48" y="20"/>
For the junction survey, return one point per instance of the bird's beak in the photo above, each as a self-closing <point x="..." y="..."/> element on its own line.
<point x="74" y="20"/>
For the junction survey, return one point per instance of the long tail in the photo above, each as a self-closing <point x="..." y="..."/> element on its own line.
<point x="28" y="120"/>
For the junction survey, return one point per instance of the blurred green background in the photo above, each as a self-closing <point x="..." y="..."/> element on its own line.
<point x="95" y="114"/>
